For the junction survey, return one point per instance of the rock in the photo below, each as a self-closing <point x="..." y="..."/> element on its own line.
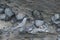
<point x="1" y="10"/>
<point x="2" y="16"/>
<point x="20" y="16"/>
<point x="56" y="19"/>
<point x="9" y="12"/>
<point x="36" y="14"/>
<point x="39" y="22"/>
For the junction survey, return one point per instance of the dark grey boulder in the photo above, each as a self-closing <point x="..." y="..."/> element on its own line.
<point x="9" y="12"/>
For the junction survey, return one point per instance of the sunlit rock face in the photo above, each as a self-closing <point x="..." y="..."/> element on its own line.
<point x="18" y="18"/>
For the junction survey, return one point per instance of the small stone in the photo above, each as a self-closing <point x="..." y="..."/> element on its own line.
<point x="20" y="16"/>
<point x="9" y="12"/>
<point x="2" y="16"/>
<point x="56" y="19"/>
<point x="36" y="14"/>
<point x="39" y="22"/>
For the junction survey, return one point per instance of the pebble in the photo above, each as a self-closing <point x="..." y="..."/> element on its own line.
<point x="39" y="22"/>
<point x="20" y="16"/>
<point x="36" y="14"/>
<point x="56" y="18"/>
<point x="9" y="12"/>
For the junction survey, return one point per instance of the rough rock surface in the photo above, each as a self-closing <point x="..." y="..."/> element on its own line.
<point x="29" y="20"/>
